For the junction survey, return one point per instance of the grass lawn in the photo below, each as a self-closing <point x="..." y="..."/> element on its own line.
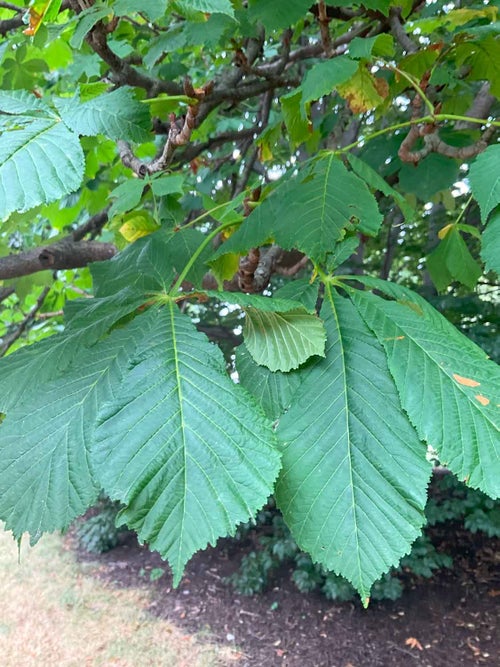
<point x="55" y="614"/>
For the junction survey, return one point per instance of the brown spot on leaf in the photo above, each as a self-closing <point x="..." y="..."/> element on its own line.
<point x="482" y="399"/>
<point x="466" y="381"/>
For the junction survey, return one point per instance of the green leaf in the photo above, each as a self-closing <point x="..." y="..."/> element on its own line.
<point x="490" y="251"/>
<point x="42" y="360"/>
<point x="366" y="47"/>
<point x="117" y="114"/>
<point x="153" y="9"/>
<point x="283" y="341"/>
<point x="86" y="20"/>
<point x="211" y="6"/>
<point x="273" y="391"/>
<point x="483" y="61"/>
<point x="299" y="127"/>
<point x="127" y="196"/>
<point x="432" y="174"/>
<point x="484" y="176"/>
<point x="311" y="212"/>
<point x="209" y="33"/>
<point x="167" y="185"/>
<point x="277" y="14"/>
<point x="448" y="387"/>
<point x="26" y="372"/>
<point x="144" y="265"/>
<point x="167" y="42"/>
<point x="374" y="180"/>
<point x="90" y="319"/>
<point x="188" y="451"/>
<point x="348" y="462"/>
<point x="39" y="162"/>
<point x="181" y="246"/>
<point x="342" y="251"/>
<point x="376" y="5"/>
<point x="301" y="290"/>
<point x="451" y="260"/>
<point x="21" y="102"/>
<point x="264" y="303"/>
<point x="46" y="479"/>
<point x="323" y="77"/>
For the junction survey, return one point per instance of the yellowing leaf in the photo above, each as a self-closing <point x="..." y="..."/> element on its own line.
<point x="465" y="381"/>
<point x="442" y="232"/>
<point x="40" y="10"/>
<point x="458" y="17"/>
<point x="228" y="232"/>
<point x="363" y="91"/>
<point x="225" y="267"/>
<point x="268" y="140"/>
<point x="137" y="226"/>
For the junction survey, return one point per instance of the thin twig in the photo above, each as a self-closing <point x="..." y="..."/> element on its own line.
<point x="10" y="340"/>
<point x="48" y="316"/>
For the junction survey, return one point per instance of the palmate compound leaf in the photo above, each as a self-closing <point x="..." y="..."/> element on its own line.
<point x="353" y="484"/>
<point x="283" y="341"/>
<point x="46" y="477"/>
<point x="311" y="212"/>
<point x="189" y="453"/>
<point x="447" y="385"/>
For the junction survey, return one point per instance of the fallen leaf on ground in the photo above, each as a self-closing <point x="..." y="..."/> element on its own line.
<point x="412" y="642"/>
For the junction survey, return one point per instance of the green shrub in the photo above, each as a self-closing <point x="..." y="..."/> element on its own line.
<point x="450" y="501"/>
<point x="99" y="533"/>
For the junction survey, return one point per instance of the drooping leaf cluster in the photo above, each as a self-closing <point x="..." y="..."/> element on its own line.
<point x="263" y="168"/>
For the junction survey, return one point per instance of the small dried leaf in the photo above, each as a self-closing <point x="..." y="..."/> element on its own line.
<point x="413" y="642"/>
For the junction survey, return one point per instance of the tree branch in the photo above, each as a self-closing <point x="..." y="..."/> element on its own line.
<point x="480" y="107"/>
<point x="324" y="28"/>
<point x="434" y="144"/>
<point x="65" y="254"/>
<point x="10" y="24"/>
<point x="399" y="32"/>
<point x="14" y="8"/>
<point x="5" y="292"/>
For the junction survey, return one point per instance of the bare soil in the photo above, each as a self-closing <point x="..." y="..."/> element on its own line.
<point x="449" y="621"/>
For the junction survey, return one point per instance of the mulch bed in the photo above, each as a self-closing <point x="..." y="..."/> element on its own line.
<point x="449" y="621"/>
